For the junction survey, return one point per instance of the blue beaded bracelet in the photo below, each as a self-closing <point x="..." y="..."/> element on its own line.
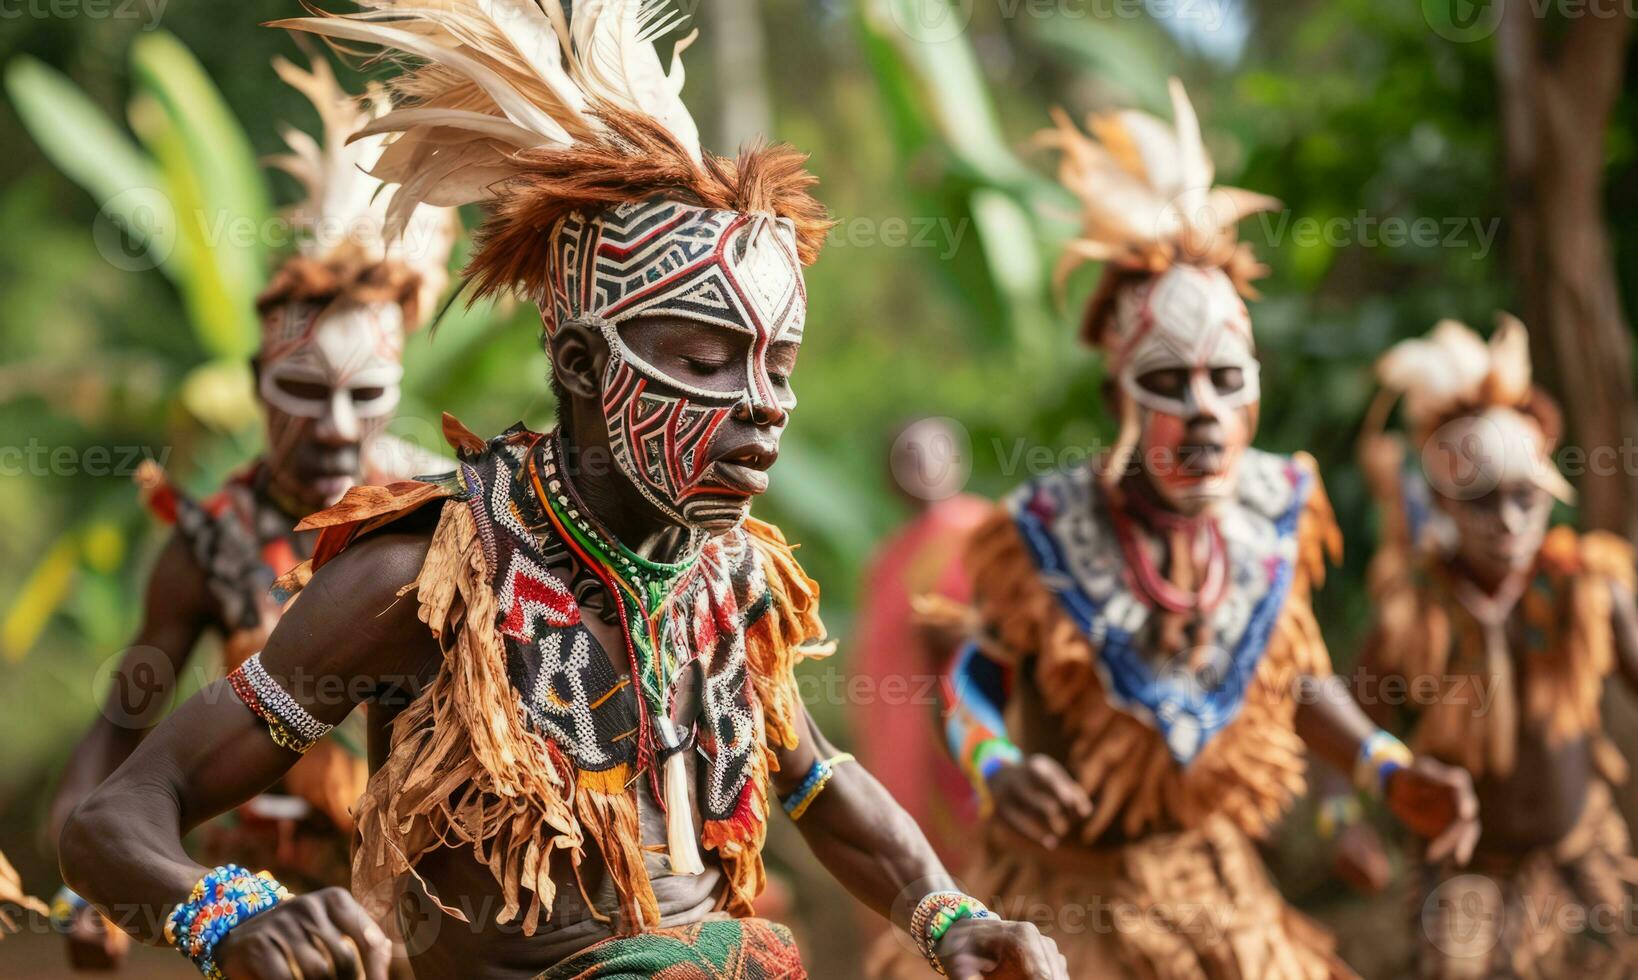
<point x="813" y="784"/>
<point x="65" y="905"/>
<point x="223" y="899"/>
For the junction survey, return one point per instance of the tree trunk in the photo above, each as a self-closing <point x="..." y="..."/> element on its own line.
<point x="737" y="46"/>
<point x="1556" y="98"/>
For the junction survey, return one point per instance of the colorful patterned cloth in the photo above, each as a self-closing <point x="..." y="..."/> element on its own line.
<point x="728" y="949"/>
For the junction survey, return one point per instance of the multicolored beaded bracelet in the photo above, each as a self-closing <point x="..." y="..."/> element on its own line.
<point x="1335" y="813"/>
<point x="813" y="784"/>
<point x="1380" y="756"/>
<point x="289" y="724"/>
<point x="65" y="905"/>
<point x="224" y="898"/>
<point x="934" y="916"/>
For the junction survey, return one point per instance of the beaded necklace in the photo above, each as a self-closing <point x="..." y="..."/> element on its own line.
<point x="641" y="588"/>
<point x="642" y="591"/>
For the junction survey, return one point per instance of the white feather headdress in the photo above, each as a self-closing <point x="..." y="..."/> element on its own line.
<point x="343" y="214"/>
<point x="1452" y="368"/>
<point x="1146" y="195"/>
<point x="495" y="77"/>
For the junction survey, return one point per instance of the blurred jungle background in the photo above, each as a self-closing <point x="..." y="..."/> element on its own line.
<point x="1435" y="159"/>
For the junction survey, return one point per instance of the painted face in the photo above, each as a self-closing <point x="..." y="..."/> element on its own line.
<point x="1493" y="474"/>
<point x="1188" y="375"/>
<point x="330" y="379"/>
<point x="1498" y="534"/>
<point x="694" y="433"/>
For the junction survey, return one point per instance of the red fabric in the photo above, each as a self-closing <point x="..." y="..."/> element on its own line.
<point x="896" y="714"/>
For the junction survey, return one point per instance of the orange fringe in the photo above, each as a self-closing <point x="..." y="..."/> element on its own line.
<point x="790" y="631"/>
<point x="463" y="768"/>
<point x="1249" y="773"/>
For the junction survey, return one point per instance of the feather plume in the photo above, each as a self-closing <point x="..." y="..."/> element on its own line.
<point x="496" y="77"/>
<point x="1146" y="195"/>
<point x="1509" y="382"/>
<point x="1452" y="369"/>
<point x="342" y="219"/>
<point x="510" y="103"/>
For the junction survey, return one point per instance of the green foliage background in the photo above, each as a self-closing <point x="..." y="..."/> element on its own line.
<point x="1340" y="108"/>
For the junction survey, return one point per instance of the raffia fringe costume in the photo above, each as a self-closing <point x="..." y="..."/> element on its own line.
<point x="1508" y="917"/>
<point x="520" y="747"/>
<point x="1505" y="915"/>
<point x="1187" y="897"/>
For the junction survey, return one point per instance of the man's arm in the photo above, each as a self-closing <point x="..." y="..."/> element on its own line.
<point x="349" y="634"/>
<point x="873" y="847"/>
<point x="1430" y="798"/>
<point x="1034" y="795"/>
<point x="177" y="609"/>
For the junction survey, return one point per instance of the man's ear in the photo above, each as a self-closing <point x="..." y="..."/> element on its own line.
<point x="579" y="354"/>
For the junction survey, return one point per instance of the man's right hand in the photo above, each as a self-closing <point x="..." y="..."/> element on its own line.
<point x="325" y="935"/>
<point x="1037" y="798"/>
<point x="95" y="944"/>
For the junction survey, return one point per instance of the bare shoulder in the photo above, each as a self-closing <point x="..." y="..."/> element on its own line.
<point x="359" y="615"/>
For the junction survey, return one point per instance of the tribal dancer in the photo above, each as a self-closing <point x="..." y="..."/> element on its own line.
<point x="328" y="375"/>
<point x="578" y="647"/>
<point x="1497" y="633"/>
<point x="1148" y="666"/>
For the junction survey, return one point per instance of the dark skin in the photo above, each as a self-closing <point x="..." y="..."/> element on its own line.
<point x="1039" y="799"/>
<point x="1538" y="803"/>
<point x="122" y="845"/>
<point x="178" y="610"/>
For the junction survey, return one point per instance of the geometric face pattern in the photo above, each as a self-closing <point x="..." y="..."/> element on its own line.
<point x="1187" y="318"/>
<point x="732" y="271"/>
<point x="1190" y="326"/>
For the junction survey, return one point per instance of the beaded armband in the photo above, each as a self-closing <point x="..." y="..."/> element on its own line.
<point x="935" y="914"/>
<point x="224" y="898"/>
<point x="65" y="905"/>
<point x="289" y="724"/>
<point x="813" y="784"/>
<point x="1380" y="756"/>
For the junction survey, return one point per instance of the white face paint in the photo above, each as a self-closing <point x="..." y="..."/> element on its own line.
<point x="1185" y="360"/>
<point x="330" y="378"/>
<point x="738" y="273"/>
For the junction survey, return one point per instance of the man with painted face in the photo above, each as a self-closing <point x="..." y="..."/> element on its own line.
<point x="1147" y="666"/>
<point x="578" y="648"/>
<point x="328" y="373"/>
<point x="1509" y="629"/>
